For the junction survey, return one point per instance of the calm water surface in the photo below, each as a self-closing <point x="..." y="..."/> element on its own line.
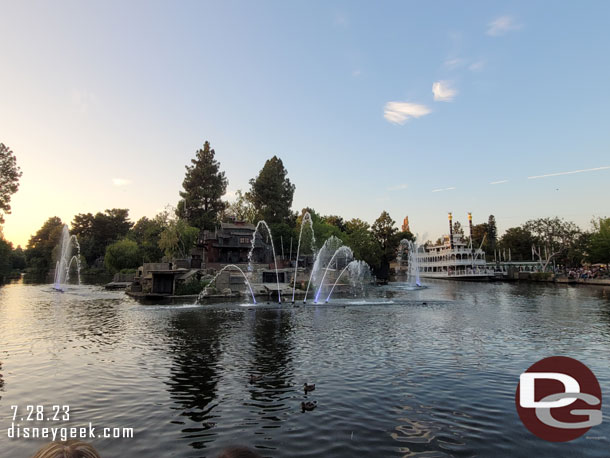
<point x="394" y="376"/>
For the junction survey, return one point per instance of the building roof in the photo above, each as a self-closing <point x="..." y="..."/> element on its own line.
<point x="237" y="225"/>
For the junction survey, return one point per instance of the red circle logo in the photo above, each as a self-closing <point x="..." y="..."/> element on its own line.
<point x="559" y="399"/>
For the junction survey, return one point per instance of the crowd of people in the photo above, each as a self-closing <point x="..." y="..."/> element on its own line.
<point x="589" y="272"/>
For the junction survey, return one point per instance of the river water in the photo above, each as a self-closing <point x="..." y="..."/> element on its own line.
<point x="428" y="373"/>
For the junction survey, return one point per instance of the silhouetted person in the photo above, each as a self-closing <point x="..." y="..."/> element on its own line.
<point x="67" y="449"/>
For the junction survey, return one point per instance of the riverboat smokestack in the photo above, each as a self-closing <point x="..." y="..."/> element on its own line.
<point x="470" y="226"/>
<point x="450" y="230"/>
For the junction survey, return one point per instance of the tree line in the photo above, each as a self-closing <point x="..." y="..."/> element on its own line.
<point x="545" y="240"/>
<point x="110" y="241"/>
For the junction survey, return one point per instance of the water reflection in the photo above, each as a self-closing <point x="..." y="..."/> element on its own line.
<point x="271" y="364"/>
<point x="1" y="380"/>
<point x="403" y="373"/>
<point x="194" y="376"/>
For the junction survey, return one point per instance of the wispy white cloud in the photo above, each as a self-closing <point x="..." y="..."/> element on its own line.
<point x="120" y="181"/>
<point x="398" y="187"/>
<point x="401" y="112"/>
<point x="499" y="182"/>
<point x="571" y="172"/>
<point x="502" y="25"/>
<point x="356" y="73"/>
<point x="476" y="66"/>
<point x="454" y="63"/>
<point x="443" y="92"/>
<point x="443" y="189"/>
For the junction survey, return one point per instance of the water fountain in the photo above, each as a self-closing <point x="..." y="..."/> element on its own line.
<point x="348" y="255"/>
<point x="359" y="274"/>
<point x="277" y="279"/>
<point x="306" y="218"/>
<point x="413" y="275"/>
<point x="65" y="259"/>
<point x="202" y="294"/>
<point x="332" y="255"/>
<point x="413" y="263"/>
<point x="321" y="259"/>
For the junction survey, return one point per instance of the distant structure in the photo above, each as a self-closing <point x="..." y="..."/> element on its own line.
<point x="405" y="224"/>
<point x="231" y="243"/>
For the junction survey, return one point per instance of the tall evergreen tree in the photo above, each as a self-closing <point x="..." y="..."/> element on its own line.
<point x="492" y="232"/>
<point x="384" y="232"/>
<point x="271" y="193"/>
<point x="204" y="185"/>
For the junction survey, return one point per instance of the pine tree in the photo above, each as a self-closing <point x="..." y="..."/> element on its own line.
<point x="384" y="233"/>
<point x="492" y="232"/>
<point x="271" y="193"/>
<point x="204" y="185"/>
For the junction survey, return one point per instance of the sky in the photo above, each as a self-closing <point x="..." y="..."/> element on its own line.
<point x="416" y="108"/>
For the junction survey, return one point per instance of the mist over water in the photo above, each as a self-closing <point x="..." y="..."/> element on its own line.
<point x="429" y="372"/>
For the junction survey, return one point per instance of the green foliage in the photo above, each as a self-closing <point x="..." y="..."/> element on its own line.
<point x="480" y="235"/>
<point x="240" y="210"/>
<point x="577" y="252"/>
<point x="306" y="245"/>
<point x="384" y="229"/>
<point x="324" y="231"/>
<point x="9" y="179"/>
<point x="123" y="254"/>
<point x="554" y="233"/>
<point x="204" y="185"/>
<point x="147" y="234"/>
<point x="554" y="237"/>
<point x="519" y="241"/>
<point x="271" y="193"/>
<point x="39" y="251"/>
<point x="360" y="239"/>
<point x="282" y="233"/>
<point x="599" y="247"/>
<point x="18" y="261"/>
<point x="95" y="233"/>
<point x="384" y="232"/>
<point x="457" y="228"/>
<point x="6" y="249"/>
<point x="177" y="239"/>
<point x="492" y="232"/>
<point x="191" y="287"/>
<point x="336" y="221"/>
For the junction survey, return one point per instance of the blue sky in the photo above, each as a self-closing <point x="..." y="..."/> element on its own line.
<point x="104" y="103"/>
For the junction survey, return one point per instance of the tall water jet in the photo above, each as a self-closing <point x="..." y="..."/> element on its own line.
<point x="202" y="295"/>
<point x="321" y="259"/>
<point x="306" y="218"/>
<point x="348" y="254"/>
<point x="65" y="258"/>
<point x="413" y="262"/>
<point x="358" y="271"/>
<point x="277" y="279"/>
